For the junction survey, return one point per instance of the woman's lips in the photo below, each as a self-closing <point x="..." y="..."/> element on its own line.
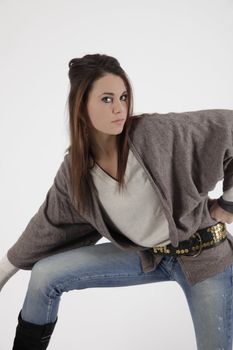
<point x="119" y="121"/>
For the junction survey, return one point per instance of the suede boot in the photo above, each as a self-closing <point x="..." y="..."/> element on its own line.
<point x="30" y="336"/>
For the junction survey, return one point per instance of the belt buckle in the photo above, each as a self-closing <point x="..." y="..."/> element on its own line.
<point x="201" y="246"/>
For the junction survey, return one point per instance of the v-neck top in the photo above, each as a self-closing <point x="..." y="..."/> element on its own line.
<point x="137" y="211"/>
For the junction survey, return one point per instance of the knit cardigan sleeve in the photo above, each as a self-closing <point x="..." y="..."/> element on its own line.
<point x="55" y="227"/>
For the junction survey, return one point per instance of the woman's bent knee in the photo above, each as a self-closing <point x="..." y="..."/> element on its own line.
<point x="44" y="278"/>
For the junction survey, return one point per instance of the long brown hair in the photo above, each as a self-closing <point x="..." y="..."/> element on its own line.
<point x="82" y="74"/>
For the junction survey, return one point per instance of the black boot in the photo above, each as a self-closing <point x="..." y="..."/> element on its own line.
<point x="30" y="336"/>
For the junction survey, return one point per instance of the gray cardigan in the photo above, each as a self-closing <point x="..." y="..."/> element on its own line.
<point x="184" y="155"/>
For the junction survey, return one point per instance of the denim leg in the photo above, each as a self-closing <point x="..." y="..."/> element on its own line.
<point x="101" y="265"/>
<point x="211" y="305"/>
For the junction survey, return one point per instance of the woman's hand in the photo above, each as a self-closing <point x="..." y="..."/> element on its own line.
<point x="218" y="213"/>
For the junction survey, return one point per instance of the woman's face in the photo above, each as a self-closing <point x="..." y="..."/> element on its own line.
<point x="107" y="101"/>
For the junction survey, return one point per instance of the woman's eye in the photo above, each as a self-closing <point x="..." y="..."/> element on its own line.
<point x="104" y="98"/>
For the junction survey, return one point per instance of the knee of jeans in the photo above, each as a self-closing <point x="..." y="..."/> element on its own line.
<point x="43" y="279"/>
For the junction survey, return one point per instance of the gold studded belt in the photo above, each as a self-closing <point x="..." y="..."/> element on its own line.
<point x="202" y="239"/>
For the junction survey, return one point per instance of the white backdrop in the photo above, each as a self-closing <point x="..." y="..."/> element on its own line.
<point x="178" y="55"/>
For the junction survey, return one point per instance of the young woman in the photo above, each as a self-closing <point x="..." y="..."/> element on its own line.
<point x="142" y="182"/>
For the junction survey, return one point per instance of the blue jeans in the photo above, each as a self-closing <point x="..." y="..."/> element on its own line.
<point x="105" y="265"/>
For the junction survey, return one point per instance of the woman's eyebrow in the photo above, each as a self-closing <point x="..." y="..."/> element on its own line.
<point x="111" y="93"/>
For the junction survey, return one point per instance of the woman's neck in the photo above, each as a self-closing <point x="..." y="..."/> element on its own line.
<point x="105" y="150"/>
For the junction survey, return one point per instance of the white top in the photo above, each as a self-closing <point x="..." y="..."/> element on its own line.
<point x="137" y="212"/>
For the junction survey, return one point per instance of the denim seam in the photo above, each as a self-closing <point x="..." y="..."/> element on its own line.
<point x="61" y="285"/>
<point x="96" y="277"/>
<point x="49" y="310"/>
